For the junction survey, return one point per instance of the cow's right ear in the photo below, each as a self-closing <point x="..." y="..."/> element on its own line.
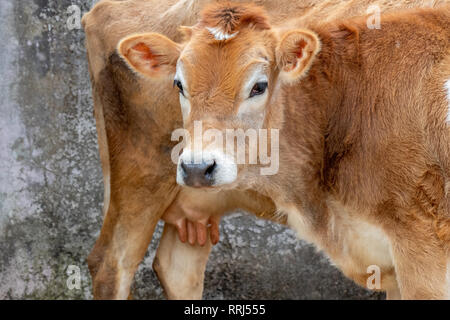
<point x="151" y="54"/>
<point x="295" y="53"/>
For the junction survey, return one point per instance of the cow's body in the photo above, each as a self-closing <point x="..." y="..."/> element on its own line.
<point x="383" y="150"/>
<point x="364" y="150"/>
<point x="135" y="117"/>
<point x="368" y="137"/>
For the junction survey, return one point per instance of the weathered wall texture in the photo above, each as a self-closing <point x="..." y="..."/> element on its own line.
<point x="51" y="184"/>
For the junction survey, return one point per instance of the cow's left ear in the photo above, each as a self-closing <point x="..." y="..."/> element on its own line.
<point x="295" y="54"/>
<point x="151" y="54"/>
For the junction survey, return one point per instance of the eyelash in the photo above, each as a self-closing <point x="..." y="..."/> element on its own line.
<point x="179" y="85"/>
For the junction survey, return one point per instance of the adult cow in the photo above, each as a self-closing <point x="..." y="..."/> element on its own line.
<point x="135" y="117"/>
<point x="363" y="114"/>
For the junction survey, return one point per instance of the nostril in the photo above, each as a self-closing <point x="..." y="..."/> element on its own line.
<point x="210" y="169"/>
<point x="198" y="174"/>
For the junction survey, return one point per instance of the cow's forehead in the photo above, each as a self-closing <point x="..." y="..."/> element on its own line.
<point x="227" y="37"/>
<point x="203" y="56"/>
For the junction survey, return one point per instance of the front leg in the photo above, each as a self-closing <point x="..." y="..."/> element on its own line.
<point x="393" y="294"/>
<point x="420" y="262"/>
<point x="180" y="267"/>
<point x="126" y="233"/>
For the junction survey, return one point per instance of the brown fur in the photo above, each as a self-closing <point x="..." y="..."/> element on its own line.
<point x="135" y="117"/>
<point x="231" y="17"/>
<point x="358" y="131"/>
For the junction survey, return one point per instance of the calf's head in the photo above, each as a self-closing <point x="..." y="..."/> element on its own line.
<point x="228" y="71"/>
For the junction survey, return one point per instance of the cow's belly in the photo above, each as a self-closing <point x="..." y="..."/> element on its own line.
<point x="352" y="244"/>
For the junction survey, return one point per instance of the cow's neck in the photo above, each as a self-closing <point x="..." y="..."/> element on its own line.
<point x="314" y="134"/>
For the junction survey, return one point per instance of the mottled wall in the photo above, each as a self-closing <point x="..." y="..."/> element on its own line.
<point x="51" y="185"/>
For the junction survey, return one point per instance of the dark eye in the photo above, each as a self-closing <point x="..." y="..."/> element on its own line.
<point x="179" y="85"/>
<point x="258" y="89"/>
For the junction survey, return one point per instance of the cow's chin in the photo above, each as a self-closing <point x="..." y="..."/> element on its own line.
<point x="222" y="176"/>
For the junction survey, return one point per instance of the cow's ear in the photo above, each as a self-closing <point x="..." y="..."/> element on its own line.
<point x="295" y="54"/>
<point x="151" y="54"/>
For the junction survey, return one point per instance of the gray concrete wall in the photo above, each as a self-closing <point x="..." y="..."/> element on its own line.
<point x="51" y="185"/>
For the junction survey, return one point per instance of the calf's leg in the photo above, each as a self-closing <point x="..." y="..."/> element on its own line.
<point x="180" y="267"/>
<point x="420" y="262"/>
<point x="123" y="242"/>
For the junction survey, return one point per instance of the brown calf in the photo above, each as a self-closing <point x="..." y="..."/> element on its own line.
<point x="363" y="114"/>
<point x="135" y="117"/>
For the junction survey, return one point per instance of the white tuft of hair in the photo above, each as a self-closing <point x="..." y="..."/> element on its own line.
<point x="220" y="35"/>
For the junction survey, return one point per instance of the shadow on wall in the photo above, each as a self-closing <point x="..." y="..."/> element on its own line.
<point x="51" y="184"/>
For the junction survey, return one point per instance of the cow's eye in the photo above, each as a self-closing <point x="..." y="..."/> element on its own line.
<point x="179" y="85"/>
<point x="258" y="89"/>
